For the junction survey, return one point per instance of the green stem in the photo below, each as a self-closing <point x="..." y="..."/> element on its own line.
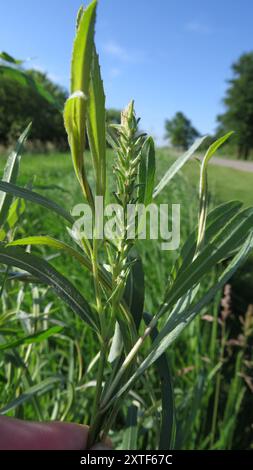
<point x="95" y="420"/>
<point x="128" y="360"/>
<point x="217" y="389"/>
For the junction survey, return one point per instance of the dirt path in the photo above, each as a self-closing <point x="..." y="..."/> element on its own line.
<point x="236" y="164"/>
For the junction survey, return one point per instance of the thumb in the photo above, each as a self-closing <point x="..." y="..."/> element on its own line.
<point x="16" y="434"/>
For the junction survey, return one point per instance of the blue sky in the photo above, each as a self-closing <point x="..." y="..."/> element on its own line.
<point x="168" y="55"/>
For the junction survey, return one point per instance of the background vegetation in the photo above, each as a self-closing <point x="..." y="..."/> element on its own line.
<point x="211" y="363"/>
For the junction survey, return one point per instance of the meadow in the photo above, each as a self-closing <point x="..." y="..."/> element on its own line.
<point x="210" y="363"/>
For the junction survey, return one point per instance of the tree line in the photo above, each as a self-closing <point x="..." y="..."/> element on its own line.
<point x="29" y="95"/>
<point x="237" y="116"/>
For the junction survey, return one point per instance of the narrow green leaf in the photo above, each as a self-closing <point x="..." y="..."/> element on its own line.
<point x="40" y="388"/>
<point x="216" y="220"/>
<point x="168" y="422"/>
<point x="215" y="146"/>
<point x="131" y="431"/>
<point x="8" y="58"/>
<point x="227" y="240"/>
<point x="29" y="195"/>
<point x="10" y="174"/>
<point x="104" y="276"/>
<point x="13" y="256"/>
<point x="134" y="290"/>
<point x="203" y="188"/>
<point x="180" y="161"/>
<point x="176" y="323"/>
<point x="82" y="49"/>
<point x="117" y="345"/>
<point x="16" y="210"/>
<point x="31" y="339"/>
<point x="76" y="107"/>
<point x="147" y="172"/>
<point x="59" y="245"/>
<point x="79" y="16"/>
<point x="96" y="124"/>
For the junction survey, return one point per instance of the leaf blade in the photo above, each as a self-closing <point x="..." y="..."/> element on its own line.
<point x="32" y="196"/>
<point x="10" y="174"/>
<point x="31" y="339"/>
<point x="13" y="256"/>
<point x="147" y="172"/>
<point x="177" y="165"/>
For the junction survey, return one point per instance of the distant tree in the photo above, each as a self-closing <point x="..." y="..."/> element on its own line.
<point x="238" y="115"/>
<point x="20" y="103"/>
<point x="180" y="131"/>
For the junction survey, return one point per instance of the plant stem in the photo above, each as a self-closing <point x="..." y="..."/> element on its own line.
<point x="217" y="388"/>
<point x="94" y="427"/>
<point x="131" y="355"/>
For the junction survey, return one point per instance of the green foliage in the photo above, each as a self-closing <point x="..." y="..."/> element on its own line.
<point x="238" y="103"/>
<point x="180" y="131"/>
<point x="112" y="315"/>
<point x="30" y="96"/>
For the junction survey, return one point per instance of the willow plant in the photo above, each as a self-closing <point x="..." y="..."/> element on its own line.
<point x="117" y="318"/>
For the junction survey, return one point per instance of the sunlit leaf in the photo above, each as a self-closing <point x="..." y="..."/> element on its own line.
<point x="177" y="165"/>
<point x="147" y="172"/>
<point x="96" y="124"/>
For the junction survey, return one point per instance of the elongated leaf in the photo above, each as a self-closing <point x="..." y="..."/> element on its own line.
<point x="13" y="256"/>
<point x="16" y="210"/>
<point x="176" y="324"/>
<point x="173" y="170"/>
<point x="53" y="243"/>
<point x="117" y="345"/>
<point x="227" y="240"/>
<point x="168" y="424"/>
<point x="59" y="245"/>
<point x="75" y="128"/>
<point x="216" y="220"/>
<point x="104" y="276"/>
<point x="31" y="339"/>
<point x="215" y="146"/>
<point x="83" y="49"/>
<point x="134" y="290"/>
<point x="10" y="175"/>
<point x="203" y="188"/>
<point x="41" y="388"/>
<point x="96" y="124"/>
<point x="29" y="195"/>
<point x="8" y="58"/>
<point x="131" y="432"/>
<point x="147" y="172"/>
<point x="76" y="107"/>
